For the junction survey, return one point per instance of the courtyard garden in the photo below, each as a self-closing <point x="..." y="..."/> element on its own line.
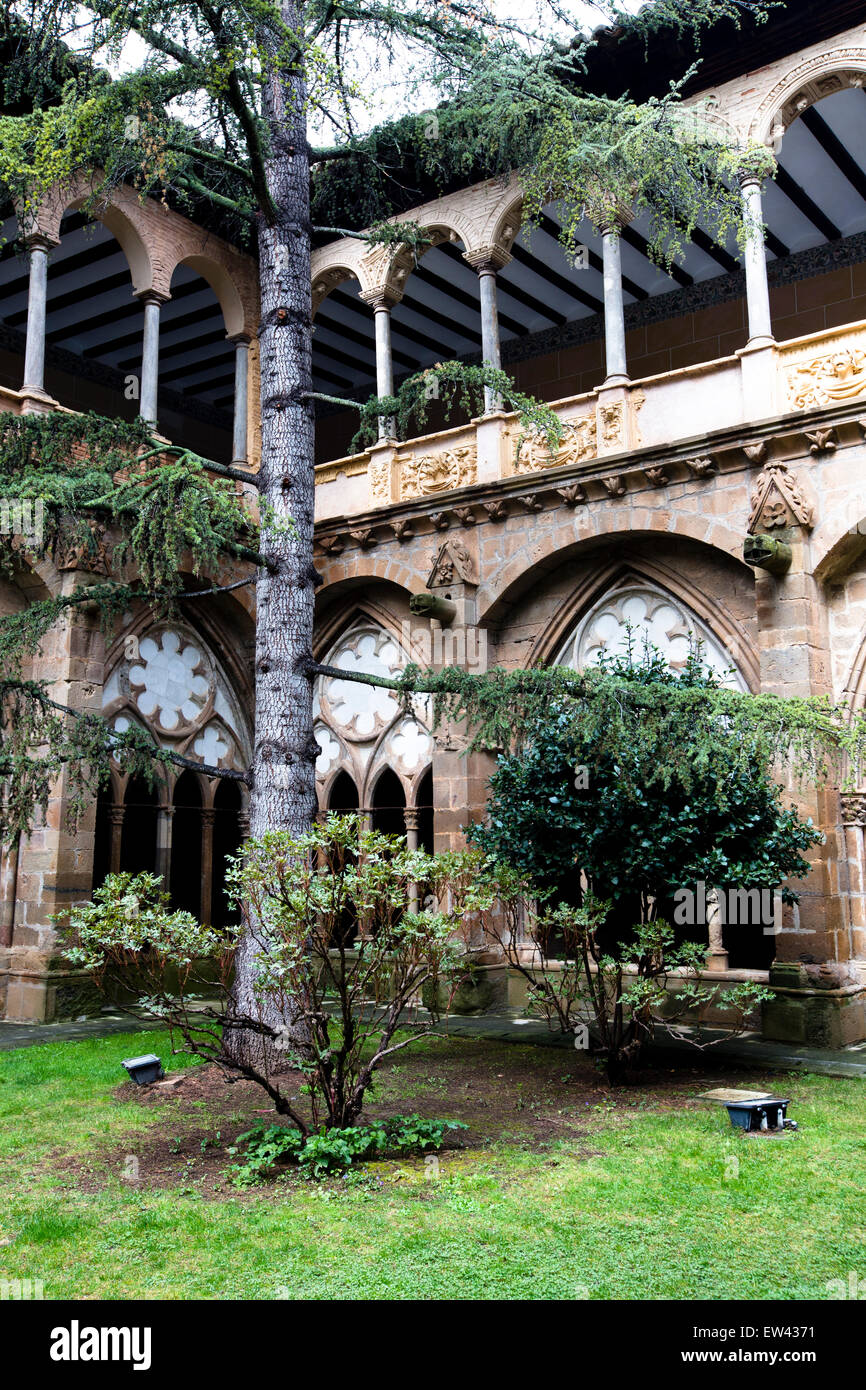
<point x="560" y="1186"/>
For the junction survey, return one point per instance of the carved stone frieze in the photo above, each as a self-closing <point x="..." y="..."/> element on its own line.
<point x="579" y="442"/>
<point x="423" y="475"/>
<point x="831" y="376"/>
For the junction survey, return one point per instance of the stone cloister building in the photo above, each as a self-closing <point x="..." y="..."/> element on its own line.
<point x="705" y="409"/>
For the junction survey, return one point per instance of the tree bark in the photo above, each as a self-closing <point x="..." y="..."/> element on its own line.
<point x="284" y="789"/>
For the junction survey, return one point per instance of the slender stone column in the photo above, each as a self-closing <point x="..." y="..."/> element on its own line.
<point x="384" y="363"/>
<point x="489" y="330"/>
<point x="757" y="288"/>
<point x="116" y="816"/>
<point x="207" y="820"/>
<point x="37" y="299"/>
<point x="614" y="313"/>
<point x="411" y="816"/>
<point x="8" y="889"/>
<point x="488" y="261"/>
<point x="239" y="433"/>
<point x="150" y="357"/>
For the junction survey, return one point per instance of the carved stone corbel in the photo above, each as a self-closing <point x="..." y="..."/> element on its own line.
<point x="704" y="466"/>
<point x="574" y="495"/>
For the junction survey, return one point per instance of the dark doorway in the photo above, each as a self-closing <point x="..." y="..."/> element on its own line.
<point x="186" y="845"/>
<point x="389" y="803"/>
<point x="102" y="837"/>
<point x="138" y="840"/>
<point x="424" y="804"/>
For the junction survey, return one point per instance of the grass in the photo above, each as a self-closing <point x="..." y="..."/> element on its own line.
<point x="643" y="1197"/>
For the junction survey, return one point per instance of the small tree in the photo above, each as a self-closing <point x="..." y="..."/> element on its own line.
<point x="646" y="802"/>
<point x="618" y="999"/>
<point x="297" y="893"/>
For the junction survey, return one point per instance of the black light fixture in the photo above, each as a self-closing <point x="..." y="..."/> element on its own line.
<point x="767" y="1113"/>
<point x="144" y="1070"/>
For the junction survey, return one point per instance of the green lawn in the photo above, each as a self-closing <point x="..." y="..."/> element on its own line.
<point x="634" y="1199"/>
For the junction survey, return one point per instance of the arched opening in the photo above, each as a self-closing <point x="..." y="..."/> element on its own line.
<point x="227" y="840"/>
<point x="424" y="807"/>
<point x="196" y="368"/>
<point x="102" y="837"/>
<point x="138" y="838"/>
<point x="343" y="798"/>
<point x="186" y="845"/>
<point x="389" y="804"/>
<point x="343" y="795"/>
<point x="818" y="200"/>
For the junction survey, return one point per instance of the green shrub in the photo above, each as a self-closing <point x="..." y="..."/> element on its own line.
<point x="334" y="1150"/>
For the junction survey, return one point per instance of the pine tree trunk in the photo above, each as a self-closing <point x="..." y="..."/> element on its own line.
<point x="284" y="789"/>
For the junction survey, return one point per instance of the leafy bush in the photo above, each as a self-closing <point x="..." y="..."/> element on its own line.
<point x="619" y="997"/>
<point x="337" y="1007"/>
<point x="334" y="1150"/>
<point x="651" y="815"/>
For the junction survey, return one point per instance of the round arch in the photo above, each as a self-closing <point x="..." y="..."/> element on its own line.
<point x="811" y="80"/>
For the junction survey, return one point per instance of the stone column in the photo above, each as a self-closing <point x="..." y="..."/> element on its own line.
<point x="207" y="820"/>
<point x="488" y="261"/>
<point x="411" y="817"/>
<point x="854" y="830"/>
<point x="757" y="289"/>
<point x="614" y="312"/>
<point x="116" y="817"/>
<point x="239" y="432"/>
<point x="384" y="362"/>
<point x="8" y="888"/>
<point x="150" y="356"/>
<point x="38" y="247"/>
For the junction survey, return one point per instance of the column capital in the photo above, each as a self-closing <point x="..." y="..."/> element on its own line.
<point x="749" y="178"/>
<point x="239" y="339"/>
<point x="151" y="296"/>
<point x="487" y="259"/>
<point x="37" y="240"/>
<point x="382" y="297"/>
<point x="412" y="816"/>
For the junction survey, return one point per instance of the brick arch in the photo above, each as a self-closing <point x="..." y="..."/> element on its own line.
<point x="811" y="80"/>
<point x="504" y="585"/>
<point x="838" y="540"/>
<point x="333" y="264"/>
<point x="360" y="565"/>
<point x="237" y="315"/>
<point x="122" y="213"/>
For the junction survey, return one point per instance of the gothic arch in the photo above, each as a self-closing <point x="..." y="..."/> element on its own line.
<point x="669" y="623"/>
<point x="626" y="571"/>
<point x="362" y="730"/>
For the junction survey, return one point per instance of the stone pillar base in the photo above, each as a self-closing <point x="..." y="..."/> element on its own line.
<point x="38" y="987"/>
<point x="815" y="1005"/>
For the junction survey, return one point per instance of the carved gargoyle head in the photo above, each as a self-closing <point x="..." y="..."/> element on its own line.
<point x="767" y="553"/>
